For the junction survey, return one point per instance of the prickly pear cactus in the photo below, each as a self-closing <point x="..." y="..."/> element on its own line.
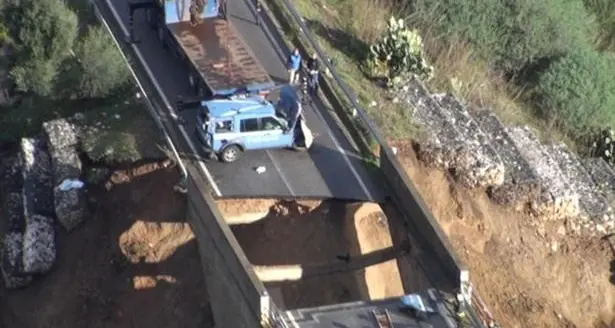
<point x="399" y="52"/>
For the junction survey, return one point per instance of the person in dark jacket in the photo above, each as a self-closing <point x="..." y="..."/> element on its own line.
<point x="313" y="67"/>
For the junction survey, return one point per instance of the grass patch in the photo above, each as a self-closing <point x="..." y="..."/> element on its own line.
<point x="457" y="69"/>
<point x="122" y="132"/>
<point x="114" y="131"/>
<point x="346" y="44"/>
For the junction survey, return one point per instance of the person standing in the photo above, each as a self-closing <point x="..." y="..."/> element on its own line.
<point x="313" y="66"/>
<point x="293" y="65"/>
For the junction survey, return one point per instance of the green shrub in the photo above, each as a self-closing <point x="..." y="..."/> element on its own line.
<point x="43" y="33"/>
<point x="511" y="35"/>
<point x="578" y="91"/>
<point x="101" y="68"/>
<point x="604" y="11"/>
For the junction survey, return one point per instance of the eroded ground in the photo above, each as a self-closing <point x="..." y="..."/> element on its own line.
<point x="529" y="273"/>
<point x="133" y="264"/>
<point x="328" y="252"/>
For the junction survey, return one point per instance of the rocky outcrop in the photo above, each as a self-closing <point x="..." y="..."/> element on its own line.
<point x="595" y="213"/>
<point x="481" y="166"/>
<point x="520" y="183"/>
<point x="440" y="144"/>
<point x="604" y="177"/>
<point x="556" y="199"/>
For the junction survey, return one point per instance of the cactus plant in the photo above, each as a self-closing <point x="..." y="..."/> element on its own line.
<point x="399" y="52"/>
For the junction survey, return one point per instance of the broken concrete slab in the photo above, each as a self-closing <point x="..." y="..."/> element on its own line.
<point x="37" y="180"/>
<point x="595" y="212"/>
<point x="520" y="183"/>
<point x="556" y="199"/>
<point x="482" y="167"/>
<point x="440" y="144"/>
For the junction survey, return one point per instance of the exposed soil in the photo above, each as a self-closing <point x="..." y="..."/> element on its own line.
<point x="530" y="274"/>
<point x="320" y="237"/>
<point x="133" y="264"/>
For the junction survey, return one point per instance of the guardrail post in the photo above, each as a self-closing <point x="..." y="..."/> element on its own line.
<point x="131" y="23"/>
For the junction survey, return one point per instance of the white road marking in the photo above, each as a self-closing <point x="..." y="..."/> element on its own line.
<point x="277" y="168"/>
<point x="172" y="111"/>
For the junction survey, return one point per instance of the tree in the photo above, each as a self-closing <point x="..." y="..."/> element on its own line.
<point x="578" y="91"/>
<point x="43" y="33"/>
<point x="101" y="68"/>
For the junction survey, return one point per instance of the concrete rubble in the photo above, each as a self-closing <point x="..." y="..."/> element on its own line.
<point x="70" y="205"/>
<point x="481" y="166"/>
<point x="595" y="213"/>
<point x="520" y="183"/>
<point x="440" y="144"/>
<point x="556" y="199"/>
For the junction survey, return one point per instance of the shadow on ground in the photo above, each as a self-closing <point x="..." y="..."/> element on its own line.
<point x="133" y="264"/>
<point x="339" y="263"/>
<point x="343" y="41"/>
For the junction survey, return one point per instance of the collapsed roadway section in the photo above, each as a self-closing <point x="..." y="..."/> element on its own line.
<point x="229" y="52"/>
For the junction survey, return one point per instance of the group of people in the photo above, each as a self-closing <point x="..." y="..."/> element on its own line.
<point x="294" y="64"/>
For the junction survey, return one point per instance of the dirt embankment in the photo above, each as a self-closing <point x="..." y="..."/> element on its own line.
<point x="531" y="274"/>
<point x="134" y="263"/>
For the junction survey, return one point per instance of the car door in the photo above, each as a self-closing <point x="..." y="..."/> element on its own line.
<point x="274" y="135"/>
<point x="250" y="133"/>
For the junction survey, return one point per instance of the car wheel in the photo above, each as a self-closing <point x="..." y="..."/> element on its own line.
<point x="230" y="154"/>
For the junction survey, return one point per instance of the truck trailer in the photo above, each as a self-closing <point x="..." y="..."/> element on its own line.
<point x="199" y="33"/>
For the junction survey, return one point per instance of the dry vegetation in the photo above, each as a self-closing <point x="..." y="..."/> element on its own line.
<point x="530" y="276"/>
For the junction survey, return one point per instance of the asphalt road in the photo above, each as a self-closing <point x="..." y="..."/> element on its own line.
<point x="332" y="168"/>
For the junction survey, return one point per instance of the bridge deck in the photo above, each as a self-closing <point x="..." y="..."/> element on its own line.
<point x="331" y="169"/>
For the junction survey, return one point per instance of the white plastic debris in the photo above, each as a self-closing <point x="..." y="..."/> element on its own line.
<point x="261" y="169"/>
<point x="69" y="184"/>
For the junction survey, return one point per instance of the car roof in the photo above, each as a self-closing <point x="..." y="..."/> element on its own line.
<point x="252" y="106"/>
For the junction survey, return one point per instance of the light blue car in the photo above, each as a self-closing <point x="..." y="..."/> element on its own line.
<point x="228" y="127"/>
